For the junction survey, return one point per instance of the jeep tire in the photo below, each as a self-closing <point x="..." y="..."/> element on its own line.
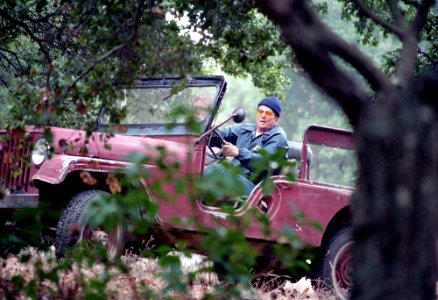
<point x="72" y="226"/>
<point x="336" y="265"/>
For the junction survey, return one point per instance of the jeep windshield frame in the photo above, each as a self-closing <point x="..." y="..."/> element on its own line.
<point x="166" y="106"/>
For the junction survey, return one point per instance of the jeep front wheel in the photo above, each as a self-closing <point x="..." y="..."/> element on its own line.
<point x="73" y="226"/>
<point x="336" y="264"/>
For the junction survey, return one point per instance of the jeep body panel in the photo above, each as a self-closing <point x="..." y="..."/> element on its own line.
<point x="297" y="205"/>
<point x="294" y="205"/>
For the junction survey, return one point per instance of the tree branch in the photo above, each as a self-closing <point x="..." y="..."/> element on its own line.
<point x="9" y="62"/>
<point x="4" y="82"/>
<point x="399" y="20"/>
<point x="110" y="52"/>
<point x="314" y="44"/>
<point x="43" y="19"/>
<point x="378" y="81"/>
<point x="93" y="65"/>
<point x="20" y="69"/>
<point x="410" y="38"/>
<point x="43" y="49"/>
<point x="427" y="56"/>
<point x="29" y="32"/>
<point x="421" y="16"/>
<point x="367" y="12"/>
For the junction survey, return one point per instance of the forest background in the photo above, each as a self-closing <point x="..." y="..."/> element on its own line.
<point x="303" y="102"/>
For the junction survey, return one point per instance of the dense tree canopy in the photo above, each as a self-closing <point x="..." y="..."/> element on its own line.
<point x="59" y="57"/>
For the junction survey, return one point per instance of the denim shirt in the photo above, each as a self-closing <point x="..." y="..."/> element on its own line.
<point x="244" y="137"/>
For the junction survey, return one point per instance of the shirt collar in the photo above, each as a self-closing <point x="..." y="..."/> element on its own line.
<point x="252" y="127"/>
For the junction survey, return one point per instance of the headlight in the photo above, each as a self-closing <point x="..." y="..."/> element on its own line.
<point x="40" y="151"/>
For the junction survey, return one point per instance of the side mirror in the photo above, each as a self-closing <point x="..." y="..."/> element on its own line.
<point x="239" y="114"/>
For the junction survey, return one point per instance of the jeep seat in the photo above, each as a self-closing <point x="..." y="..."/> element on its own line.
<point x="294" y="154"/>
<point x="295" y="149"/>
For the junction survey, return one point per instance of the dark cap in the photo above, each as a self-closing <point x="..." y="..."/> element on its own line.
<point x="273" y="103"/>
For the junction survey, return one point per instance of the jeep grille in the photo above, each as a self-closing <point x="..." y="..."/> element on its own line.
<point x="15" y="154"/>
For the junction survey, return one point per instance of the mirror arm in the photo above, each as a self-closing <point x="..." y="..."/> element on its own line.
<point x="213" y="129"/>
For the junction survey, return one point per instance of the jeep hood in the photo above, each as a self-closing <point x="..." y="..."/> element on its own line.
<point x="120" y="147"/>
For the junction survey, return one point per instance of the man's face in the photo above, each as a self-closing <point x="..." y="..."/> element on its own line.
<point x="266" y="118"/>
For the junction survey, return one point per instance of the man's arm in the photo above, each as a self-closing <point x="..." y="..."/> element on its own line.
<point x="274" y="143"/>
<point x="229" y="134"/>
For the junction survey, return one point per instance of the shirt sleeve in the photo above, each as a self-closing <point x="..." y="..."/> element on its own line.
<point x="229" y="134"/>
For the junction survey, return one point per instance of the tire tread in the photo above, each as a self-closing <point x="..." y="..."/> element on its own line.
<point x="66" y="235"/>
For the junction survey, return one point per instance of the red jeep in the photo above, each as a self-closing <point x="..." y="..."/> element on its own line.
<point x="71" y="170"/>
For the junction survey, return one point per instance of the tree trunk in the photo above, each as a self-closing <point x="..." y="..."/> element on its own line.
<point x="395" y="210"/>
<point x="395" y="207"/>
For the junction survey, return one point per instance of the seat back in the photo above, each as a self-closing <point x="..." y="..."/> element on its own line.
<point x="295" y="149"/>
<point x="294" y="154"/>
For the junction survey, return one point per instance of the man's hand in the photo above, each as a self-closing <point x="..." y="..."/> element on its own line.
<point x="229" y="149"/>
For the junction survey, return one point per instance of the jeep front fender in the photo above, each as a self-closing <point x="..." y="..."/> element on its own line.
<point x="56" y="169"/>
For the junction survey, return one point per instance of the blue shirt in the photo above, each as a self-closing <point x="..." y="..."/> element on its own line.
<point x="245" y="139"/>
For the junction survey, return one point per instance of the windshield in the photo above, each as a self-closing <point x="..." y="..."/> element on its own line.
<point x="165" y="105"/>
<point x="169" y="105"/>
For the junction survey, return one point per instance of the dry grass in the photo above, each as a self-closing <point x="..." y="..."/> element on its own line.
<point x="143" y="273"/>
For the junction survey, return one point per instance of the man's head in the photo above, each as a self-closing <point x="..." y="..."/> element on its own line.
<point x="268" y="113"/>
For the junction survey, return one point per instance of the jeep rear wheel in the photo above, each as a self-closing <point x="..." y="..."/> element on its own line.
<point x="336" y="264"/>
<point x="73" y="227"/>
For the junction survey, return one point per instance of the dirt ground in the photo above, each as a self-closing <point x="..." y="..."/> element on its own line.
<point x="142" y="273"/>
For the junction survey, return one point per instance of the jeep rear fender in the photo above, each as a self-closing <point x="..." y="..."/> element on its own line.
<point x="55" y="170"/>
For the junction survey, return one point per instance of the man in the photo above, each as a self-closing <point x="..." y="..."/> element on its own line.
<point x="245" y="140"/>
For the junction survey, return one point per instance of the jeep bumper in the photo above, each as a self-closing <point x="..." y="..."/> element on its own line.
<point x="19" y="201"/>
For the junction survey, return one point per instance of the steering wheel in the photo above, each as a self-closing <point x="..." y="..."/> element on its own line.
<point x="217" y="155"/>
<point x="238" y="116"/>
